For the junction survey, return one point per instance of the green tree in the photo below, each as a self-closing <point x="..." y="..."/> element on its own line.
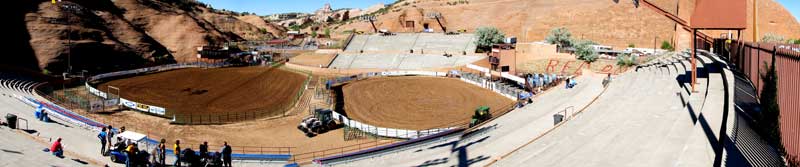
<point x="667" y="46"/>
<point x="559" y="36"/>
<point x="773" y="38"/>
<point x="327" y="32"/>
<point x="769" y="121"/>
<point x="584" y="51"/>
<point x="488" y="36"/>
<point x="294" y="27"/>
<point x="313" y="34"/>
<point x="631" y="45"/>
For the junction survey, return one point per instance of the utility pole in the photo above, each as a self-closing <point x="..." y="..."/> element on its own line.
<point x="755" y="20"/>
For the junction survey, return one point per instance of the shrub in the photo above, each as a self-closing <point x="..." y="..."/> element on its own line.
<point x="626" y="60"/>
<point x="584" y="51"/>
<point x="772" y="38"/>
<point x="631" y="45"/>
<point x="667" y="46"/>
<point x="769" y="119"/>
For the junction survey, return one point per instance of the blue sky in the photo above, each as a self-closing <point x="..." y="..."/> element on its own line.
<point x="265" y="7"/>
<point x="793" y="6"/>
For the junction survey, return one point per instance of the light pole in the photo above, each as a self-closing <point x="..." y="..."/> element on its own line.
<point x="655" y="44"/>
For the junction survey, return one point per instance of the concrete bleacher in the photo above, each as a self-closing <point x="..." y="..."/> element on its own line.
<point x="419" y="42"/>
<point x="649" y="117"/>
<point x="399" y="61"/>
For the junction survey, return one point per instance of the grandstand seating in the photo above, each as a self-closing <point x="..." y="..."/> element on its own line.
<point x="433" y="43"/>
<point x="399" y="61"/>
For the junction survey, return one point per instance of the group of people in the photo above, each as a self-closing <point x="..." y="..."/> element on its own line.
<point x="157" y="155"/>
<point x="185" y="155"/>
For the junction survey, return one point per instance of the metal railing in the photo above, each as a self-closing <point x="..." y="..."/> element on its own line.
<point x="750" y="59"/>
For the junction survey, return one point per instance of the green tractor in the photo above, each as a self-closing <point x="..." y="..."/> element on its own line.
<point x="481" y="114"/>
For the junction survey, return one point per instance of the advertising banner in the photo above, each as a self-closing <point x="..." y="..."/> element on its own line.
<point x="157" y="110"/>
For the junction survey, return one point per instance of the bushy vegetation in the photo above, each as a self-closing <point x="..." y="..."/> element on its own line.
<point x="294" y="27"/>
<point x="559" y="36"/>
<point x="626" y="60"/>
<point x="584" y="50"/>
<point x="631" y="45"/>
<point x="458" y="2"/>
<point x="488" y="36"/>
<point x="667" y="46"/>
<point x="769" y="118"/>
<point x="773" y="38"/>
<point x="794" y="41"/>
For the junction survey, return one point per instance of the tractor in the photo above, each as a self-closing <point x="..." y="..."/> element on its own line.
<point x="481" y="114"/>
<point x="320" y="122"/>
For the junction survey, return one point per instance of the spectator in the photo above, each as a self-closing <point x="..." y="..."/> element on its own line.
<point x="129" y="154"/>
<point x="204" y="149"/>
<point x="566" y="84"/>
<point x="155" y="156"/>
<point x="57" y="149"/>
<point x="44" y="117"/>
<point x="177" y="149"/>
<point x="103" y="137"/>
<point x="163" y="147"/>
<point x="120" y="145"/>
<point x="110" y="135"/>
<point x="226" y="154"/>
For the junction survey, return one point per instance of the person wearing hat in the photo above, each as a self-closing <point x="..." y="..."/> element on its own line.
<point x="57" y="149"/>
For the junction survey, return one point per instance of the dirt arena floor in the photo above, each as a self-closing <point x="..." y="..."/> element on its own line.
<point x="216" y="90"/>
<point x="417" y="103"/>
<point x="247" y="135"/>
<point x="313" y="59"/>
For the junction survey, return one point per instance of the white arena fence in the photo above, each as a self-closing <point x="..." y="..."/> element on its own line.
<point x="387" y="132"/>
<point x="156" y="110"/>
<point x="497" y="87"/>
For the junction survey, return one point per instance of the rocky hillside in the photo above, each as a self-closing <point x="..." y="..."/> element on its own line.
<point x="109" y="35"/>
<point x="260" y="23"/>
<point x="604" y="21"/>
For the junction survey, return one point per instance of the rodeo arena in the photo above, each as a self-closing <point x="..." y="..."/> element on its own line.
<point x="404" y="99"/>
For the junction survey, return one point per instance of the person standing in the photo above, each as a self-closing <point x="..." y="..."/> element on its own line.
<point x="204" y="149"/>
<point x="110" y="135"/>
<point x="155" y="157"/>
<point x="57" y="149"/>
<point x="129" y="153"/>
<point x="226" y="154"/>
<point x="177" y="148"/>
<point x="163" y="153"/>
<point x="103" y="139"/>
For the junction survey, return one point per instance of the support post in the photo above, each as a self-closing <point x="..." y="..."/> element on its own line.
<point x="694" y="59"/>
